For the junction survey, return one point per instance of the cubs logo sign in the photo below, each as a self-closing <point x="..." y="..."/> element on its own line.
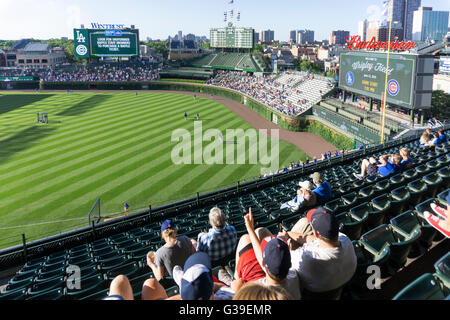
<point x="393" y="87"/>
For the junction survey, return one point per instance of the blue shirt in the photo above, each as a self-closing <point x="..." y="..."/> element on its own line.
<point x="406" y="164"/>
<point x="323" y="192"/>
<point x="442" y="138"/>
<point x="386" y="170"/>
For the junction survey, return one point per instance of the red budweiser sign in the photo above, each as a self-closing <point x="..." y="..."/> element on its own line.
<point x="355" y="43"/>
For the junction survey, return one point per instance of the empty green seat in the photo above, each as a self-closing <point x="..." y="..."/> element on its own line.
<point x="410" y="175"/>
<point x="350" y="199"/>
<point x="107" y="265"/>
<point x="417" y="189"/>
<point x="56" y="294"/>
<point x="17" y="295"/>
<point x="98" y="295"/>
<point x="422" y="170"/>
<point x="383" y="186"/>
<point x="434" y="181"/>
<point x="400" y="245"/>
<point x="399" y="200"/>
<point x="41" y="287"/>
<point x="349" y="226"/>
<point x="88" y="285"/>
<point x="442" y="267"/>
<point x="442" y="198"/>
<point x="366" y="193"/>
<point x="396" y="181"/>
<point x="366" y="258"/>
<point x="406" y="222"/>
<point x="383" y="206"/>
<point x="130" y="270"/>
<point x="426" y="287"/>
<point x="336" y="206"/>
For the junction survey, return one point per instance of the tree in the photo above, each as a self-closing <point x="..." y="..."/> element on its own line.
<point x="161" y="47"/>
<point x="440" y="104"/>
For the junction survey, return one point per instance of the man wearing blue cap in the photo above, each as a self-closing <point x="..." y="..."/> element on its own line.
<point x="325" y="260"/>
<point x="175" y="252"/>
<point x="442" y="221"/>
<point x="195" y="281"/>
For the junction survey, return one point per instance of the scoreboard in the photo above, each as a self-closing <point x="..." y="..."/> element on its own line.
<point x="409" y="77"/>
<point x="232" y="37"/>
<point x="106" y="43"/>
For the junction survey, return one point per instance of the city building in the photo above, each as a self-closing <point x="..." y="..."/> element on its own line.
<point x="380" y="31"/>
<point x="305" y="36"/>
<point x="339" y="37"/>
<point x="362" y="29"/>
<point x="267" y="36"/>
<point x="429" y="24"/>
<point x="256" y="37"/>
<point x="39" y="55"/>
<point x="410" y="6"/>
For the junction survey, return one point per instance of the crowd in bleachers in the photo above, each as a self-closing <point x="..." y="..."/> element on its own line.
<point x="288" y="93"/>
<point x="135" y="70"/>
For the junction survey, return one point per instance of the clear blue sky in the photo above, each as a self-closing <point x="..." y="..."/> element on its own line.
<point x="43" y="19"/>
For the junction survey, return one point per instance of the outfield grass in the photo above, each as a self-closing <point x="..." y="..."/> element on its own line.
<point x="112" y="146"/>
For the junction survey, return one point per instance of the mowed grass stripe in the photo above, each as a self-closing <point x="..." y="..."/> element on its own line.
<point x="68" y="133"/>
<point x="115" y="146"/>
<point x="98" y="138"/>
<point x="86" y="183"/>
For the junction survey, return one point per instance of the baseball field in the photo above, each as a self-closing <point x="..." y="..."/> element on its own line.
<point x="113" y="146"/>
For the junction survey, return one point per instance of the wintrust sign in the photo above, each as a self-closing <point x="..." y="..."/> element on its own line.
<point x="107" y="26"/>
<point x="355" y="43"/>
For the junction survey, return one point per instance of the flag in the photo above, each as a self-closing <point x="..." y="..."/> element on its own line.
<point x="230" y="2"/>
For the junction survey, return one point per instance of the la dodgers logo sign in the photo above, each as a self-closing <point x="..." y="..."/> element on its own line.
<point x="350" y="78"/>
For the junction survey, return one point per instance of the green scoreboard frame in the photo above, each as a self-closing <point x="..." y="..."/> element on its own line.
<point x="106" y="43"/>
<point x="364" y="73"/>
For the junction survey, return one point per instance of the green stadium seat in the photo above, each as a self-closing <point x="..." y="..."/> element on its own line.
<point x="98" y="295"/>
<point x="50" y="275"/>
<point x="351" y="227"/>
<point x="172" y="291"/>
<point x="17" y="295"/>
<point x="41" y="287"/>
<point x="422" y="170"/>
<point x="366" y="193"/>
<point x="288" y="223"/>
<point x="441" y="197"/>
<point x="366" y="258"/>
<point x="410" y="175"/>
<point x="399" y="199"/>
<point x="434" y="182"/>
<point x="442" y="267"/>
<point x="130" y="270"/>
<point x="112" y="263"/>
<point x="444" y="173"/>
<point x="426" y="287"/>
<point x="88" y="285"/>
<point x="396" y="181"/>
<point x="383" y="205"/>
<point x="400" y="245"/>
<point x="19" y="279"/>
<point x="56" y="294"/>
<point x="417" y="189"/>
<point x="14" y="288"/>
<point x="383" y="186"/>
<point x="336" y="206"/>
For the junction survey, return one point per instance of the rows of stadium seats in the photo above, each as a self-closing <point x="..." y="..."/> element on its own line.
<point x="383" y="216"/>
<point x="228" y="60"/>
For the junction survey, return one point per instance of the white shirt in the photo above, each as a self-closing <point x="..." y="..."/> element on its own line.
<point x="324" y="269"/>
<point x="291" y="285"/>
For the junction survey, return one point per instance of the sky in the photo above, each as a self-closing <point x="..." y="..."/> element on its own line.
<point x="157" y="19"/>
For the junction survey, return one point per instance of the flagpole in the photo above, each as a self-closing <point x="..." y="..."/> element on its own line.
<point x="391" y="9"/>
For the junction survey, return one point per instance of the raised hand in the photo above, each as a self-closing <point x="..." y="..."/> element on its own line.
<point x="249" y="220"/>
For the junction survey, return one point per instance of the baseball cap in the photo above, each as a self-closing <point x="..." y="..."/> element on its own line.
<point x="315" y="176"/>
<point x="312" y="211"/>
<point x="276" y="256"/>
<point x="167" y="224"/>
<point x="197" y="281"/>
<point x="306" y="185"/>
<point x="325" y="224"/>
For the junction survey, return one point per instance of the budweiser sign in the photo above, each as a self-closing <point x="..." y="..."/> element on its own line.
<point x="355" y="43"/>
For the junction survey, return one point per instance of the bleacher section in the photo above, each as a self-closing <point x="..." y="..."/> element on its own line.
<point x="227" y="61"/>
<point x="384" y="216"/>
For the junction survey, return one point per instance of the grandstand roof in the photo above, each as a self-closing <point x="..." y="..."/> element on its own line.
<point x="20" y="44"/>
<point x="36" y="46"/>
